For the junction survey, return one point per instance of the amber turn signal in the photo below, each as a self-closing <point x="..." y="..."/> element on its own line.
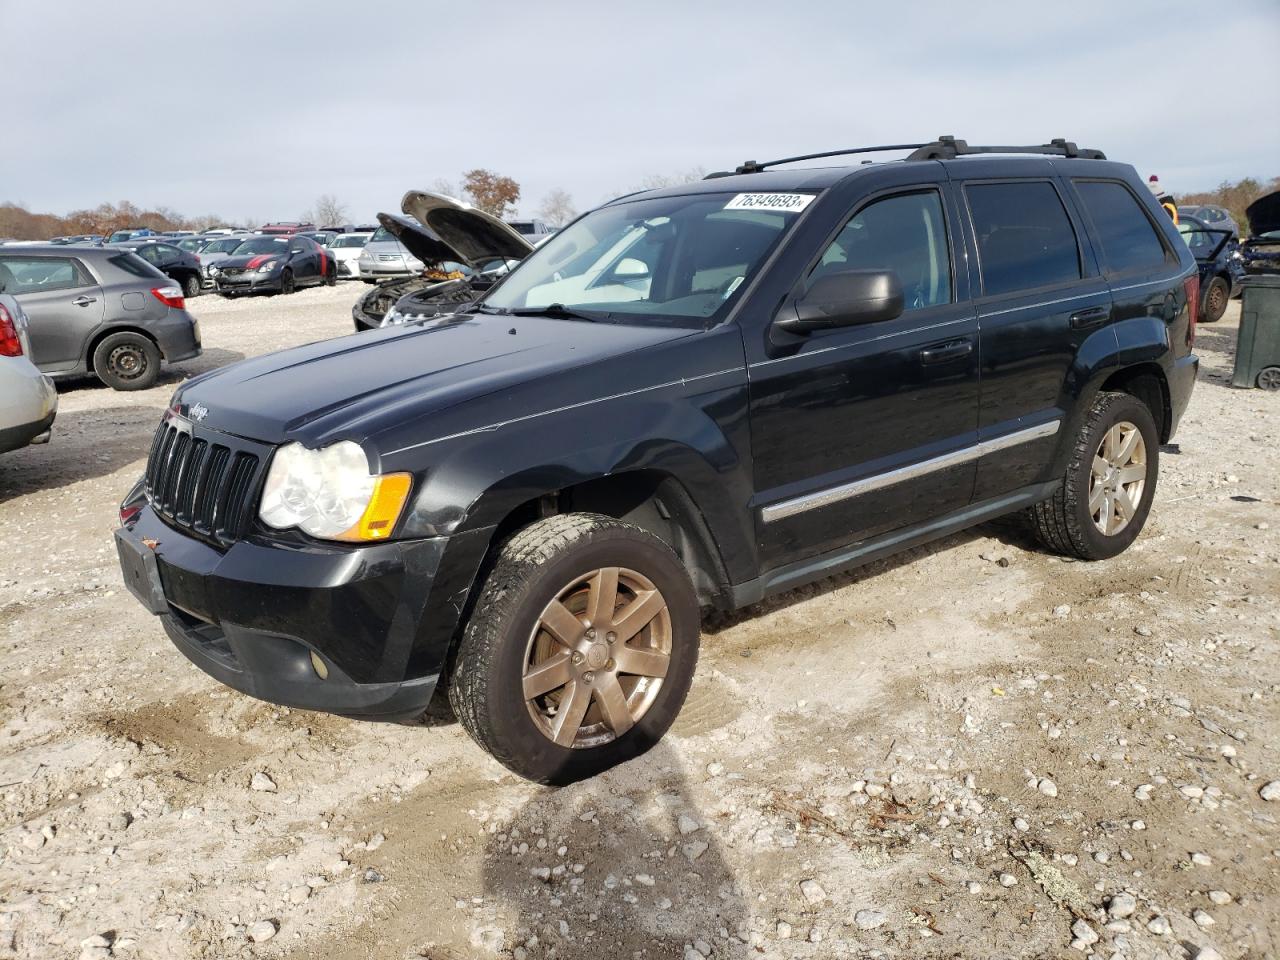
<point x="390" y="492"/>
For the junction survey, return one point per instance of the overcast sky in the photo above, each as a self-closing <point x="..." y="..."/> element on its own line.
<point x="254" y="109"/>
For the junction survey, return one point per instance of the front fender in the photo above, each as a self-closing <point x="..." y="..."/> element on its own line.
<point x="700" y="439"/>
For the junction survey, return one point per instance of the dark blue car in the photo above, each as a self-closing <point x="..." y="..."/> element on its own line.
<point x="1221" y="268"/>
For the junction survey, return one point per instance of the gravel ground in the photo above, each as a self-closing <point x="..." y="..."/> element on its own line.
<point x="973" y="750"/>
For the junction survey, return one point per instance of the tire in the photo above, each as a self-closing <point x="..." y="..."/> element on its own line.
<point x="331" y="276"/>
<point x="555" y="559"/>
<point x="191" y="286"/>
<point x="1065" y="523"/>
<point x="287" y="284"/>
<point x="1216" y="298"/>
<point x="127" y="361"/>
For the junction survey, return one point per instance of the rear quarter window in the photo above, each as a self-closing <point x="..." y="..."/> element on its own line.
<point x="1025" y="238"/>
<point x="132" y="263"/>
<point x="1128" y="237"/>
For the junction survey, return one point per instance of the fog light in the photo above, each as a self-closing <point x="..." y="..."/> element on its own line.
<point x="318" y="665"/>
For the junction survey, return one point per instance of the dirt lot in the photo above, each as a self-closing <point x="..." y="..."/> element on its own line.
<point x="961" y="752"/>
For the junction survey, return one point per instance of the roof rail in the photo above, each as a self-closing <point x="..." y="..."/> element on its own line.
<point x="944" y="148"/>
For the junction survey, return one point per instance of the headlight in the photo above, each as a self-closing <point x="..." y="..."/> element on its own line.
<point x="330" y="493"/>
<point x="212" y="270"/>
<point x="267" y="267"/>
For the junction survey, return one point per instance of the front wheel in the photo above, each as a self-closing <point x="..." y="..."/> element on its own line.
<point x="287" y="283"/>
<point x="191" y="286"/>
<point x="1105" y="495"/>
<point x="580" y="651"/>
<point x="1216" y="298"/>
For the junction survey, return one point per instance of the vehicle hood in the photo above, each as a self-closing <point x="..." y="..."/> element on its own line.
<point x="250" y="261"/>
<point x="353" y="387"/>
<point x="453" y="231"/>
<point x="1264" y="214"/>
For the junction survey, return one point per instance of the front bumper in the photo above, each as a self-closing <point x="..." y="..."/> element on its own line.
<point x="253" y="616"/>
<point x="247" y="283"/>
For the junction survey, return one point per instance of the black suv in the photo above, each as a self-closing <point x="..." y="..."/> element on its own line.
<point x="690" y="397"/>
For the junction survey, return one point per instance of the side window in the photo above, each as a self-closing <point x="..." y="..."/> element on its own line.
<point x="1025" y="239"/>
<point x="1129" y="240"/>
<point x="149" y="253"/>
<point x="39" y="274"/>
<point x="904" y="233"/>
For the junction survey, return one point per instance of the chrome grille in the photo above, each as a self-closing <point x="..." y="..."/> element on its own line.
<point x="201" y="482"/>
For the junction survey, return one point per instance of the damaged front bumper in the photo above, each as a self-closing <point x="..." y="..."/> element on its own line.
<point x="344" y="630"/>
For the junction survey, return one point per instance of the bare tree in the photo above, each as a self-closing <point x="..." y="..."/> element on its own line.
<point x="445" y="188"/>
<point x="490" y="192"/>
<point x="329" y="210"/>
<point x="557" y="208"/>
<point x="656" y="181"/>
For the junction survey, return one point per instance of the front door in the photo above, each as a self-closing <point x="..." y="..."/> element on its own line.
<point x="62" y="301"/>
<point x="853" y="433"/>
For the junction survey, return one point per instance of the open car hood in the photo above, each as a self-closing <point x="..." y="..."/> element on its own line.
<point x="454" y="231"/>
<point x="1264" y="214"/>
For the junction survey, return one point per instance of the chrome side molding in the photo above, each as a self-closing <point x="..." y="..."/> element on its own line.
<point x="822" y="498"/>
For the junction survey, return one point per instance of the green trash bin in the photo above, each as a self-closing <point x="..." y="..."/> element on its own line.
<point x="1258" y="343"/>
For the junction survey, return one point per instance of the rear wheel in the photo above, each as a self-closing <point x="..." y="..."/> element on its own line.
<point x="1216" y="298"/>
<point x="330" y="274"/>
<point x="127" y="361"/>
<point x="1110" y="481"/>
<point x="581" y="649"/>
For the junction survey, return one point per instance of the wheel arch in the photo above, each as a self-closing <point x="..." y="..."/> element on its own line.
<point x="1146" y="382"/>
<point x="102" y="334"/>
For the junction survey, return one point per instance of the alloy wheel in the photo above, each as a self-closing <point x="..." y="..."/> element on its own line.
<point x="1117" y="478"/>
<point x="596" y="658"/>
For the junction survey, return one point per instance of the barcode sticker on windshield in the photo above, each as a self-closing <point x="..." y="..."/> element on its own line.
<point x="780" y="202"/>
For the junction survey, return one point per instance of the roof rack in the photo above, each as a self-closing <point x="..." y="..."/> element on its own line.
<point x="944" y="148"/>
<point x="947" y="148"/>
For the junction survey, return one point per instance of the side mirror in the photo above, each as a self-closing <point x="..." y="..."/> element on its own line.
<point x="631" y="267"/>
<point x="844" y="299"/>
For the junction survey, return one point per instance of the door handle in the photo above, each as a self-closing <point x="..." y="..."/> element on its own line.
<point x="946" y="351"/>
<point x="1094" y="316"/>
<point x="83" y="301"/>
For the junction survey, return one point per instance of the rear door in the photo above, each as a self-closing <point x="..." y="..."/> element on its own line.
<point x="1139" y="266"/>
<point x="63" y="303"/>
<point x="1040" y="297"/>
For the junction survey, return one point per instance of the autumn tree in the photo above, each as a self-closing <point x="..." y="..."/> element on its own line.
<point x="491" y="193"/>
<point x="557" y="208"/>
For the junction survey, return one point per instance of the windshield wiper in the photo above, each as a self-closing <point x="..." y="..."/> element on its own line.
<point x="554" y="310"/>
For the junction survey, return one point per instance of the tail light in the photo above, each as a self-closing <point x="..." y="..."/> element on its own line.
<point x="169" y="296"/>
<point x="1192" y="286"/>
<point x="10" y="345"/>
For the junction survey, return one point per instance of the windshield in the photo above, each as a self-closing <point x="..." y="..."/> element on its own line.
<point x="663" y="260"/>
<point x="349" y="240"/>
<point x="383" y="235"/>
<point x="522" y="226"/>
<point x="263" y="245"/>
<point x="193" y="244"/>
<point x="223" y="246"/>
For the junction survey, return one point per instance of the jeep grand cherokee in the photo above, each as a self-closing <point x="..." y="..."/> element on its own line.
<point x="690" y="397"/>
